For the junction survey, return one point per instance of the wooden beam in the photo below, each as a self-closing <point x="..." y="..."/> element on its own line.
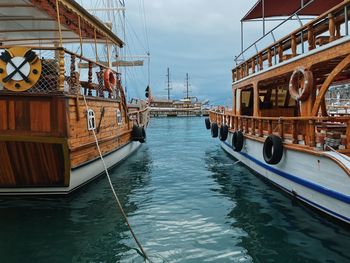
<point x="338" y="69"/>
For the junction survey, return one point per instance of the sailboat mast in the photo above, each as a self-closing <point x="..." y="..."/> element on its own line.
<point x="187" y="91"/>
<point x="168" y="83"/>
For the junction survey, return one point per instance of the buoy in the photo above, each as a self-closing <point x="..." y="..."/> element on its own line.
<point x="300" y="84"/>
<point x="207" y="123"/>
<point x="138" y="134"/>
<point x="273" y="149"/>
<point x="237" y="141"/>
<point x="223" y="132"/>
<point x="214" y="130"/>
<point x="109" y="79"/>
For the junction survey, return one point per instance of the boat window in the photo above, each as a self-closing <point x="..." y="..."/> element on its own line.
<point x="119" y="117"/>
<point x="91" y="120"/>
<point x="247" y="102"/>
<point x="238" y="100"/>
<point x="275" y="101"/>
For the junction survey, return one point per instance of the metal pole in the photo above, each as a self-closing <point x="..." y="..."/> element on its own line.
<point x="263" y="16"/>
<point x="346" y="20"/>
<point x="301" y="35"/>
<point x="242" y="41"/>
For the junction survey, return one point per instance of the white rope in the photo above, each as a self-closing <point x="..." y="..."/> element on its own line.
<point x="114" y="192"/>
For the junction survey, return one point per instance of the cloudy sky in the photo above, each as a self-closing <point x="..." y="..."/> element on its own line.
<point x="199" y="37"/>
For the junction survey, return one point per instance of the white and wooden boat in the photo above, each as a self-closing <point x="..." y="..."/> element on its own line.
<point x="53" y="99"/>
<point x="279" y="125"/>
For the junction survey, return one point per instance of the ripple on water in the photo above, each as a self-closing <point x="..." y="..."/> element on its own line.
<point x="188" y="202"/>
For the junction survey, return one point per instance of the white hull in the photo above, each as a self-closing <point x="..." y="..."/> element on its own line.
<point x="316" y="180"/>
<point x="79" y="176"/>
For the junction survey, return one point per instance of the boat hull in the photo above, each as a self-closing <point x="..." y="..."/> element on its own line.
<point x="321" y="180"/>
<point x="79" y="176"/>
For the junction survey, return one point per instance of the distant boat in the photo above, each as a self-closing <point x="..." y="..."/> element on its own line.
<point x="279" y="125"/>
<point x="185" y="107"/>
<point x="53" y="98"/>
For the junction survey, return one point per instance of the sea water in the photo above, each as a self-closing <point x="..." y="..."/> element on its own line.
<point x="187" y="200"/>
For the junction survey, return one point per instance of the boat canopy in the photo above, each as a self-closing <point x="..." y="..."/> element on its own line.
<point x="30" y="22"/>
<point x="276" y="8"/>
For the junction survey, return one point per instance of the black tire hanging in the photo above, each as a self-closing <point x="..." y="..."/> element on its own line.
<point x="214" y="130"/>
<point x="273" y="149"/>
<point x="237" y="141"/>
<point x="223" y="132"/>
<point x="207" y="123"/>
<point x="138" y="134"/>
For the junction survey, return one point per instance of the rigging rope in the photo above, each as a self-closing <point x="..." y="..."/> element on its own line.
<point x="114" y="192"/>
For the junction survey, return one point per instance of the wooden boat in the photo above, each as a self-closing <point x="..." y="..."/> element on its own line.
<point x="279" y="125"/>
<point x="53" y="100"/>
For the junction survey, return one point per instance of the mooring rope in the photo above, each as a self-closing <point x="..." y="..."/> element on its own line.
<point x="114" y="192"/>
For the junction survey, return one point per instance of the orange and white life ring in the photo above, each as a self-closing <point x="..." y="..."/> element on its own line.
<point x="300" y="84"/>
<point x="109" y="80"/>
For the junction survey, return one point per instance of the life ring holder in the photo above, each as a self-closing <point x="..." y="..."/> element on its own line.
<point x="27" y="70"/>
<point x="110" y="80"/>
<point x="301" y="91"/>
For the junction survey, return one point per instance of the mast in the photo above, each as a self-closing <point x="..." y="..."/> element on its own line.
<point x="187" y="87"/>
<point x="168" y="83"/>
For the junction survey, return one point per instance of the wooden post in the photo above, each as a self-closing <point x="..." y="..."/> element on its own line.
<point x="269" y="127"/>
<point x="260" y="58"/>
<point x="260" y="127"/>
<point x="280" y="52"/>
<point x="73" y="76"/>
<point x="253" y="127"/>
<point x="90" y="78"/>
<point x="337" y="31"/>
<point x="280" y="128"/>
<point x="253" y="66"/>
<point x="294" y="131"/>
<point x="269" y="57"/>
<point x="331" y="27"/>
<point x="247" y="68"/>
<point x="311" y="37"/>
<point x="348" y="135"/>
<point x="312" y="142"/>
<point x="294" y="45"/>
<point x="61" y="70"/>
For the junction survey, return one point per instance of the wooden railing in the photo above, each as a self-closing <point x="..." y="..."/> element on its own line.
<point x="67" y="72"/>
<point x="295" y="130"/>
<point x="312" y="33"/>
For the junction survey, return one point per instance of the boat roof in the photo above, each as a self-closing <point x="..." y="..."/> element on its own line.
<point x="275" y="8"/>
<point x="33" y="21"/>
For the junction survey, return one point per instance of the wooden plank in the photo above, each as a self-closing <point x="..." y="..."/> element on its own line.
<point x="3" y="115"/>
<point x="40" y="118"/>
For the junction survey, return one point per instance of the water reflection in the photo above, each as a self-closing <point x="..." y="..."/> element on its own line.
<point x="278" y="229"/>
<point x="86" y="227"/>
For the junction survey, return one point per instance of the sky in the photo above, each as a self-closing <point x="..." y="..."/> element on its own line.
<point x="198" y="37"/>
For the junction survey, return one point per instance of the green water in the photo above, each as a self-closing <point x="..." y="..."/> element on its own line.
<point x="188" y="202"/>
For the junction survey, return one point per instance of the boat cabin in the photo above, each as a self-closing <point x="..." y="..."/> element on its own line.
<point x="282" y="89"/>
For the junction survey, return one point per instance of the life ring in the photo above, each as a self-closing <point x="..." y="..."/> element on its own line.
<point x="237" y="141"/>
<point x="138" y="134"/>
<point x="223" y="132"/>
<point x="110" y="80"/>
<point x="214" y="130"/>
<point x="273" y="149"/>
<point x="207" y="123"/>
<point x="300" y="84"/>
<point x="20" y="69"/>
